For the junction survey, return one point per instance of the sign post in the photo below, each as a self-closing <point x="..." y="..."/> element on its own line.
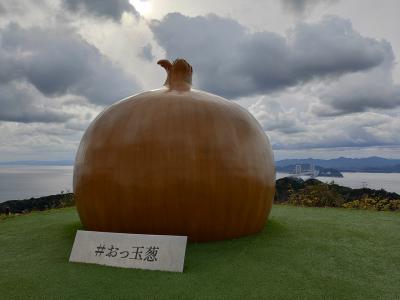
<point x="139" y="251"/>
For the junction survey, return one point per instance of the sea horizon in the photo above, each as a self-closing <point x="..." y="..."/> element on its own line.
<point x="19" y="182"/>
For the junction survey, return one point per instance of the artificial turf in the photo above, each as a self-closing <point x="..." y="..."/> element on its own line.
<point x="302" y="253"/>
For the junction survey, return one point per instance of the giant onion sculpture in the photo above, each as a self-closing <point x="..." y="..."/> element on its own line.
<point x="175" y="161"/>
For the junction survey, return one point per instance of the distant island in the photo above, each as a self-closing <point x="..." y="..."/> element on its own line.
<point x="373" y="164"/>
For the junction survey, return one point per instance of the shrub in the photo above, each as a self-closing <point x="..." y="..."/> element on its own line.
<point x="367" y="202"/>
<point x="319" y="195"/>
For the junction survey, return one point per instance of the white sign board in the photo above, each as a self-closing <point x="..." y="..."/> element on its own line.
<point x="140" y="251"/>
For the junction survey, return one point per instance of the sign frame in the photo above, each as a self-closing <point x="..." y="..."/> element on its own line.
<point x="126" y="250"/>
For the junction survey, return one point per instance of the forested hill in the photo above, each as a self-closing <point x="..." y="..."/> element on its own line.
<point x="371" y="164"/>
<point x="289" y="190"/>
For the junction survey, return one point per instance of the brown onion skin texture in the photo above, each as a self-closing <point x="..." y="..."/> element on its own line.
<point x="176" y="162"/>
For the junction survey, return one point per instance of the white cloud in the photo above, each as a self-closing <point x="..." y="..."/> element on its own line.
<point x="244" y="64"/>
<point x="273" y="117"/>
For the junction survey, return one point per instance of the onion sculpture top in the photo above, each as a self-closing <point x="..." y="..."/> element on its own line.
<point x="179" y="74"/>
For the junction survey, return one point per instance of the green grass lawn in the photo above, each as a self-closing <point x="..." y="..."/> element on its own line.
<point x="302" y="253"/>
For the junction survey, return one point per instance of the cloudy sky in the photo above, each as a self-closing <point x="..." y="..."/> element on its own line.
<point x="321" y="76"/>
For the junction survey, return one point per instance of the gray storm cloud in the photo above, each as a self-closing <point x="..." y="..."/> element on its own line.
<point x="22" y="103"/>
<point x="101" y="8"/>
<point x="233" y="62"/>
<point x="56" y="62"/>
<point x="360" y="92"/>
<point x="299" y="7"/>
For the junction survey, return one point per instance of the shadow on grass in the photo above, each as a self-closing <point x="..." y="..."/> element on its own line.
<point x="274" y="228"/>
<point x="70" y="230"/>
<point x="207" y="256"/>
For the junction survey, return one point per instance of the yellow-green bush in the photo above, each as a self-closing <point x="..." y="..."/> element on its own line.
<point x="371" y="203"/>
<point x="316" y="195"/>
<point x="324" y="195"/>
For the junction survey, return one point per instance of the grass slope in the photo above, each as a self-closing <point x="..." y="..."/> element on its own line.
<point x="303" y="253"/>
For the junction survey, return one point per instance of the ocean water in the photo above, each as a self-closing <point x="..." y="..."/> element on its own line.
<point x="23" y="182"/>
